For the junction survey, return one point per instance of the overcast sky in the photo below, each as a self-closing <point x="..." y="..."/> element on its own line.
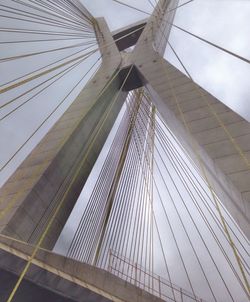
<point x="225" y="22"/>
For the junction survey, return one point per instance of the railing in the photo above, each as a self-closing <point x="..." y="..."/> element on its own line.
<point x="148" y="281"/>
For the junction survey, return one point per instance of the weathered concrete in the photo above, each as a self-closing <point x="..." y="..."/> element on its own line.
<point x="56" y="278"/>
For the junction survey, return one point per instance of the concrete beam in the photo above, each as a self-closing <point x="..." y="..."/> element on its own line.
<point x="128" y="36"/>
<point x="61" y="279"/>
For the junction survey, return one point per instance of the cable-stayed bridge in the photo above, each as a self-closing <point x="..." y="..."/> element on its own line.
<point x="167" y="216"/>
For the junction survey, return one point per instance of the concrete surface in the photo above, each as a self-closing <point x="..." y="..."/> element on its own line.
<point x="52" y="277"/>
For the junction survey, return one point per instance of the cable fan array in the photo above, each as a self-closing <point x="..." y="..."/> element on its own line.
<point x="151" y="208"/>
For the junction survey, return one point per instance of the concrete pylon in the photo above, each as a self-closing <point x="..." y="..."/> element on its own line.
<point x="30" y="196"/>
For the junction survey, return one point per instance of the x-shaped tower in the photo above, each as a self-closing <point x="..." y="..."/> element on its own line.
<point x="45" y="187"/>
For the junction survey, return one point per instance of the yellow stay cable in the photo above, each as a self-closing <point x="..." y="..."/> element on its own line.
<point x="29" y="262"/>
<point x="38" y="85"/>
<point x="3" y="90"/>
<point x="195" y="149"/>
<point x="6" y="59"/>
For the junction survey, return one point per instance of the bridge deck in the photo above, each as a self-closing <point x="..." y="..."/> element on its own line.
<point x="52" y="277"/>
